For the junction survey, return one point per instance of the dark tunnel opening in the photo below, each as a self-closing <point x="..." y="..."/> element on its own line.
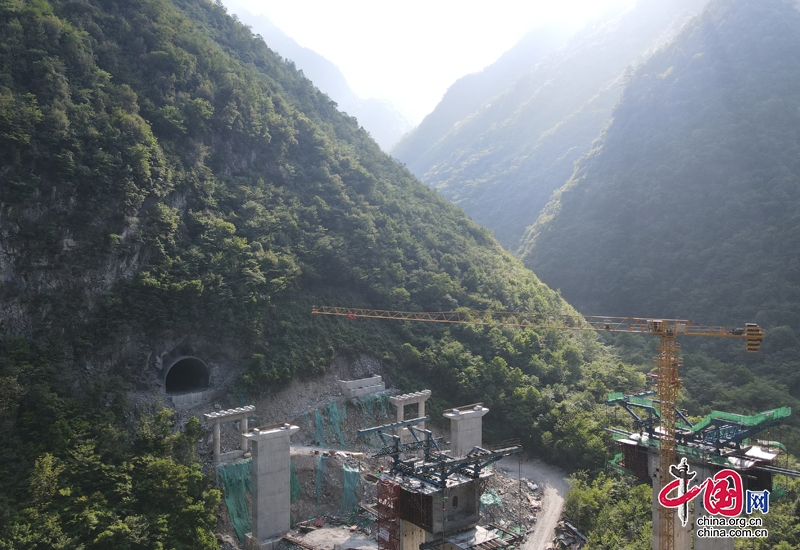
<point x="189" y="374"/>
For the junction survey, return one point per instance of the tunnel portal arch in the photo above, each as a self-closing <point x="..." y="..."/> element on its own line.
<point x="185" y="375"/>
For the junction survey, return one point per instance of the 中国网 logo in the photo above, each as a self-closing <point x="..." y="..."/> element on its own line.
<point x="723" y="493"/>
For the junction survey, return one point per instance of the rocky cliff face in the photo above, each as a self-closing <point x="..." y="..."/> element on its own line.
<point x="34" y="283"/>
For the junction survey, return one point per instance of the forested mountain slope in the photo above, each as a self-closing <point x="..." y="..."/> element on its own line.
<point x="471" y="92"/>
<point x="502" y="160"/>
<point x="169" y="184"/>
<point x="385" y="122"/>
<point x="687" y="207"/>
<point x="688" y="204"/>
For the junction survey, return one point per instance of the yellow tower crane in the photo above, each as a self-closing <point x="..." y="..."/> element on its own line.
<point x="667" y="361"/>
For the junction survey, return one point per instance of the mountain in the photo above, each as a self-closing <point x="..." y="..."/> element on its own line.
<point x="502" y="160"/>
<point x="687" y="205"/>
<point x="172" y="187"/>
<point x="384" y="120"/>
<point x="689" y="196"/>
<point x="469" y="93"/>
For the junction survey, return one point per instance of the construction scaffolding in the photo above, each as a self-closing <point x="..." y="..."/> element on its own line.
<point x="388" y="515"/>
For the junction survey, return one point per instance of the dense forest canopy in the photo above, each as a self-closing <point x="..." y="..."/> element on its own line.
<point x="167" y="180"/>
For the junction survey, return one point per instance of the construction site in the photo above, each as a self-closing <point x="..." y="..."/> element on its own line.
<point x="360" y="468"/>
<point x="323" y="482"/>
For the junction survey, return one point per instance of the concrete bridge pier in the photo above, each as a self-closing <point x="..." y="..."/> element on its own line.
<point x="271" y="485"/>
<point x="231" y="415"/>
<point x="466" y="428"/>
<point x="400" y="401"/>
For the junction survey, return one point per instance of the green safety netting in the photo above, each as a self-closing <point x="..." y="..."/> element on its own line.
<point x="367" y="405"/>
<point x="744" y="420"/>
<point x="371" y="440"/>
<point x="296" y="490"/>
<point x="644" y="402"/>
<point x="335" y="421"/>
<point x="776" y="493"/>
<point x="374" y="407"/>
<point x="752" y="420"/>
<point x="508" y="531"/>
<point x="776" y="444"/>
<point x="235" y="480"/>
<point x="488" y="498"/>
<point x="352" y="477"/>
<point x="682" y="449"/>
<point x="319" y="431"/>
<point x="321" y="460"/>
<point x="241" y="397"/>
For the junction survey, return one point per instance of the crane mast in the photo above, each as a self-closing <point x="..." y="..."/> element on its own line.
<point x="668" y="362"/>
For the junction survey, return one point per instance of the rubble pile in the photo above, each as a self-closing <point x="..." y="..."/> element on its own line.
<point x="520" y="501"/>
<point x="567" y="537"/>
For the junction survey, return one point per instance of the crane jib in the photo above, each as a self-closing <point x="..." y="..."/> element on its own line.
<point x="752" y="333"/>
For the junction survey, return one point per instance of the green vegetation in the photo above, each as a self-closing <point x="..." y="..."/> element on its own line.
<point x="77" y="472"/>
<point x="782" y="521"/>
<point x="380" y="117"/>
<point x="612" y="513"/>
<point x="500" y="152"/>
<point x="167" y="178"/>
<point x="686" y="207"/>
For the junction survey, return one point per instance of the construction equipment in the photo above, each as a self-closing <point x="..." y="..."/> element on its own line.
<point x="667" y="361"/>
<point x="437" y="466"/>
<point x="393" y="446"/>
<point x="718" y="432"/>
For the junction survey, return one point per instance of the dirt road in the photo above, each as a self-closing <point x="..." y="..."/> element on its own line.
<point x="554" y="489"/>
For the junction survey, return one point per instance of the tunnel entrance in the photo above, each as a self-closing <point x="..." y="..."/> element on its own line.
<point x="187" y="374"/>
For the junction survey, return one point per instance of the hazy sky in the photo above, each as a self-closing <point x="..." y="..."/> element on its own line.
<point x="411" y="51"/>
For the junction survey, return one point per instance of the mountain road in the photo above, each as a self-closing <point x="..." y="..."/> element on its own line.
<point x="554" y="487"/>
